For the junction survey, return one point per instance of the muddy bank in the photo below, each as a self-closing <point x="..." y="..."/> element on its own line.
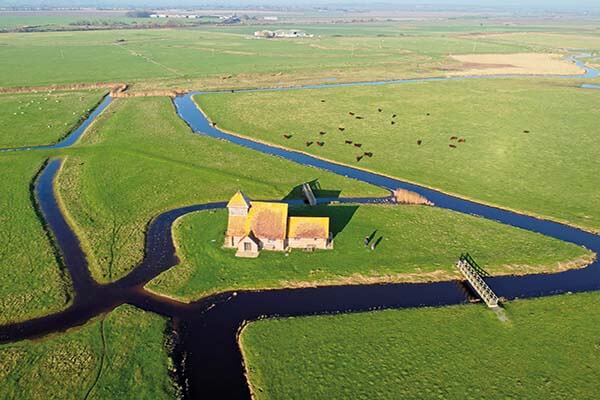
<point x="116" y="90"/>
<point x="149" y="93"/>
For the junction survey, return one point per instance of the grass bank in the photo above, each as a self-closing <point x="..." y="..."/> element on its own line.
<point x="416" y="244"/>
<point x="33" y="282"/>
<point x="140" y="159"/>
<point x="120" y="355"/>
<point x="549" y="349"/>
<point x="510" y="129"/>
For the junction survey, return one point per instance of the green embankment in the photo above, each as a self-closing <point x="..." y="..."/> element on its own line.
<point x="140" y="159"/>
<point x="550" y="349"/>
<point x="529" y="144"/>
<point x="42" y="118"/>
<point x="417" y="244"/>
<point x="32" y="283"/>
<point x="121" y="355"/>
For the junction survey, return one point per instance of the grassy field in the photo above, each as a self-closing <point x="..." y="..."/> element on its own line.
<point x="529" y="144"/>
<point x="140" y="159"/>
<point x="185" y="55"/>
<point x="230" y="57"/>
<point x="582" y="40"/>
<point x="33" y="283"/>
<point x="41" y="23"/>
<point x="417" y="244"/>
<point x="121" y="355"/>
<point x="42" y="118"/>
<point x="550" y="349"/>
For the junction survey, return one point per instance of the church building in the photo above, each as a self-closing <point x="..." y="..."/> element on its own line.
<point x="256" y="225"/>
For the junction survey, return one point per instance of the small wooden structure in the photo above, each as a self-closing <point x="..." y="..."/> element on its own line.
<point x="474" y="278"/>
<point x="308" y="194"/>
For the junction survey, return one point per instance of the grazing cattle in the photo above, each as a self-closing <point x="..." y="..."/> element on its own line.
<point x="461" y="140"/>
<point x="525" y="131"/>
<point x="359" y="117"/>
<point x="348" y="141"/>
<point x="341" y="129"/>
<point x="452" y="146"/>
<point x="394" y="116"/>
<point x="419" y="142"/>
<point x="321" y="144"/>
<point x="322" y="133"/>
<point x="358" y="158"/>
<point x="454" y="138"/>
<point x="322" y="101"/>
<point x="351" y="113"/>
<point x="380" y="109"/>
<point x="393" y="122"/>
<point x="368" y="154"/>
<point x="287" y="136"/>
<point x="308" y="144"/>
<point x="213" y="124"/>
<point x="357" y="144"/>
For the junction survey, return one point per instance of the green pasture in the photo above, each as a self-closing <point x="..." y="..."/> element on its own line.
<point x="192" y="57"/>
<point x="549" y="349"/>
<point x="528" y="144"/>
<point x="20" y="21"/>
<point x="415" y="243"/>
<point x="41" y="22"/>
<point x="182" y="54"/>
<point x="140" y="159"/>
<point x="120" y="355"/>
<point x="42" y="118"/>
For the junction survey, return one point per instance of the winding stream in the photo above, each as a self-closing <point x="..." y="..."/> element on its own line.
<point x="206" y="343"/>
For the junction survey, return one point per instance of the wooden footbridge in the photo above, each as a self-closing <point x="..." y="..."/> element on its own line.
<point x="474" y="275"/>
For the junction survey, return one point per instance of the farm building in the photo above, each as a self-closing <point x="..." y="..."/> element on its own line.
<point x="255" y="225"/>
<point x="264" y="34"/>
<point x="281" y="34"/>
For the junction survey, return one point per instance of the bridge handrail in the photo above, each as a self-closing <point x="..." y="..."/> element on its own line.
<point x="476" y="281"/>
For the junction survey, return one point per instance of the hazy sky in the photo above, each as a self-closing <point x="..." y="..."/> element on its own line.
<point x="514" y="4"/>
